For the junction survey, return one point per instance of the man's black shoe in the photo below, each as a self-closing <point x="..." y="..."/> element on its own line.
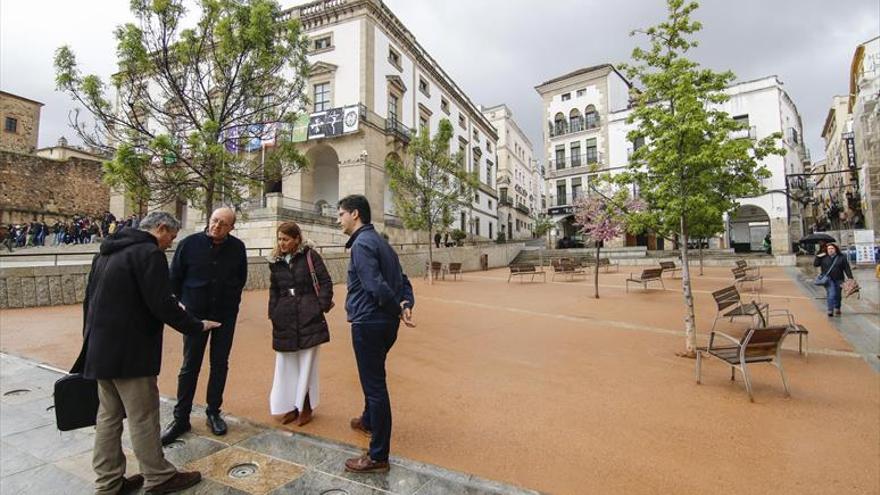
<point x="174" y="430"/>
<point x="216" y="424"/>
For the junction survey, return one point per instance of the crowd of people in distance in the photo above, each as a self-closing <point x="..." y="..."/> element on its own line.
<point x="79" y="229"/>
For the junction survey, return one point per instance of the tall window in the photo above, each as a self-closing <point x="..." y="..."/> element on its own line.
<point x="560" y="157"/>
<point x="322" y="97"/>
<point x="561" y="193"/>
<point x="591" y="117"/>
<point x="576" y="189"/>
<point x="592" y="154"/>
<point x="322" y="43"/>
<point x="489" y="174"/>
<point x="11" y="124"/>
<point x="477" y="226"/>
<point x="575" y="154"/>
<point x="392" y="107"/>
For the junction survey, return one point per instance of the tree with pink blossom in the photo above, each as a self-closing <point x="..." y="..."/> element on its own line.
<point x="602" y="218"/>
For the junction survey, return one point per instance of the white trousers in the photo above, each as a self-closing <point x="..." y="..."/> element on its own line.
<point x="296" y="374"/>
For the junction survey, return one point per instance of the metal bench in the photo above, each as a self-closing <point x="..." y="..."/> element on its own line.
<point x="729" y="304"/>
<point x="741" y="277"/>
<point x="758" y="345"/>
<point x="568" y="268"/>
<point x="607" y="264"/>
<point x="454" y="270"/>
<point x="649" y="275"/>
<point x="669" y="266"/>
<point x="526" y="270"/>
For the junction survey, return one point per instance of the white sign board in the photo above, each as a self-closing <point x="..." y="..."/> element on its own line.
<point x="864" y="241"/>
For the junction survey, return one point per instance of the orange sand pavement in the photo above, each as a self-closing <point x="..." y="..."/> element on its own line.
<point x="543" y="386"/>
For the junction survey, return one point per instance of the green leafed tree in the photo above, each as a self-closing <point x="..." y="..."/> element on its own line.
<point x="690" y="165"/>
<point x="191" y="107"/>
<point x="433" y="185"/>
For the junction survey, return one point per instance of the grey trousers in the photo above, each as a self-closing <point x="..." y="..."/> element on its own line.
<point x="138" y="398"/>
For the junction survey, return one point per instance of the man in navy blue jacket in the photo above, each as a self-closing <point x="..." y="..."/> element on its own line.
<point x="208" y="273"/>
<point x="379" y="298"/>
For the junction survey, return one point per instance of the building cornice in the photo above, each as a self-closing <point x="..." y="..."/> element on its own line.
<point x="22" y="98"/>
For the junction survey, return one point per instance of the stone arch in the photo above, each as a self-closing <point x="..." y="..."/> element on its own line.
<point x="388" y="201"/>
<point x="748" y="225"/>
<point x="324" y="174"/>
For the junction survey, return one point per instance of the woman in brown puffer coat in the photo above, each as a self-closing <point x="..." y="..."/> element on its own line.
<point x="299" y="295"/>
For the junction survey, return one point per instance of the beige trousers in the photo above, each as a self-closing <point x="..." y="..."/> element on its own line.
<point x="138" y="398"/>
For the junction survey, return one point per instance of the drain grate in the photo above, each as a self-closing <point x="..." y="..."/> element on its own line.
<point x="175" y="444"/>
<point x="16" y="392"/>
<point x="335" y="491"/>
<point x="240" y="471"/>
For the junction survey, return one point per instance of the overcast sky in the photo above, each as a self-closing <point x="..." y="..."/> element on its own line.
<point x="497" y="51"/>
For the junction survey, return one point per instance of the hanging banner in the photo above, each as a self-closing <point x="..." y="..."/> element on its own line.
<point x="333" y="122"/>
<point x="849" y="140"/>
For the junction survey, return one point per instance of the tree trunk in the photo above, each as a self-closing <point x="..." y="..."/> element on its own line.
<point x="701" y="257"/>
<point x="690" y="328"/>
<point x="430" y="254"/>
<point x="596" y="273"/>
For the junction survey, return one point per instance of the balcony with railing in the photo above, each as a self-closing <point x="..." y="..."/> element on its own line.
<point x="578" y="164"/>
<point x="522" y="208"/>
<point x="571" y="126"/>
<point x="504" y="201"/>
<point x="747" y="133"/>
<point x="395" y="128"/>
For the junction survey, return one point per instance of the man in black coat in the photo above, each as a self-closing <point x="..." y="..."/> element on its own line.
<point x="208" y="273"/>
<point x="128" y="300"/>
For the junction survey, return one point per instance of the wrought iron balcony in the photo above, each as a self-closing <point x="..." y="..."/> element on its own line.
<point x="395" y="128"/>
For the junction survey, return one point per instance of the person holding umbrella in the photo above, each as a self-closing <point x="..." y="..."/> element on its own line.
<point x="835" y="267"/>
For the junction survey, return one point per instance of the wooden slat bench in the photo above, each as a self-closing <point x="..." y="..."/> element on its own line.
<point x="649" y="275"/>
<point x="526" y="270"/>
<point x="607" y="264"/>
<point x="669" y="267"/>
<point x="728" y="304"/>
<point x="568" y="268"/>
<point x="758" y="345"/>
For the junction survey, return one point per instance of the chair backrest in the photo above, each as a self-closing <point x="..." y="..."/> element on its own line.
<point x="455" y="268"/>
<point x="741" y="264"/>
<point x="738" y="273"/>
<point x="604" y="261"/>
<point x="667" y="265"/>
<point x="652" y="273"/>
<point x="436" y="265"/>
<point x="726" y="297"/>
<point x="763" y="341"/>
<point x="554" y="263"/>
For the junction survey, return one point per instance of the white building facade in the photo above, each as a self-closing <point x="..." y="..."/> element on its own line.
<point x="575" y="114"/>
<point x="518" y="176"/>
<point x="580" y="144"/>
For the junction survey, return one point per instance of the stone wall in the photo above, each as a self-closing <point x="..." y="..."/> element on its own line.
<point x="59" y="285"/>
<point x="35" y="188"/>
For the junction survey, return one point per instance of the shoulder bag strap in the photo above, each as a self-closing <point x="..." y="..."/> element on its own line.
<point x="315" y="282"/>
<point x="831" y="267"/>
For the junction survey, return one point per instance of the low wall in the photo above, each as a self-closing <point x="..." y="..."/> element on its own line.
<point x="26" y="287"/>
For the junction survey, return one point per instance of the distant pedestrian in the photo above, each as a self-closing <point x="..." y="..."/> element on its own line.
<point x="379" y="297"/>
<point x="6" y="237"/>
<point x="437" y="240"/>
<point x="128" y="302"/>
<point x="300" y="292"/>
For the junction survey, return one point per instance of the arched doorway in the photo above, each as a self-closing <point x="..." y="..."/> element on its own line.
<point x="324" y="168"/>
<point x="748" y="226"/>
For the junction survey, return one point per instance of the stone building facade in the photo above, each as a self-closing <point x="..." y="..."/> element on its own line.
<point x="864" y="104"/>
<point x="519" y="179"/>
<point x="37" y="188"/>
<point x="20" y="118"/>
<point x="368" y="71"/>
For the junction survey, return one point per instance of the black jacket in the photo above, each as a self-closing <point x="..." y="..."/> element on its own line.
<point x="208" y="280"/>
<point x="841" y="267"/>
<point x="298" y="319"/>
<point x="128" y="299"/>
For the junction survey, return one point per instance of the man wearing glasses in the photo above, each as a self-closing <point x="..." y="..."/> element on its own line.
<point x="208" y="273"/>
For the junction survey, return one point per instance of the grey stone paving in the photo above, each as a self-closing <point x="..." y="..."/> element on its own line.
<point x="36" y="458"/>
<point x="859" y="322"/>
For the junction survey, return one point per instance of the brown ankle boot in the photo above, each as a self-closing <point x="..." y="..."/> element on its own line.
<point x="306" y="415"/>
<point x="290" y="417"/>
